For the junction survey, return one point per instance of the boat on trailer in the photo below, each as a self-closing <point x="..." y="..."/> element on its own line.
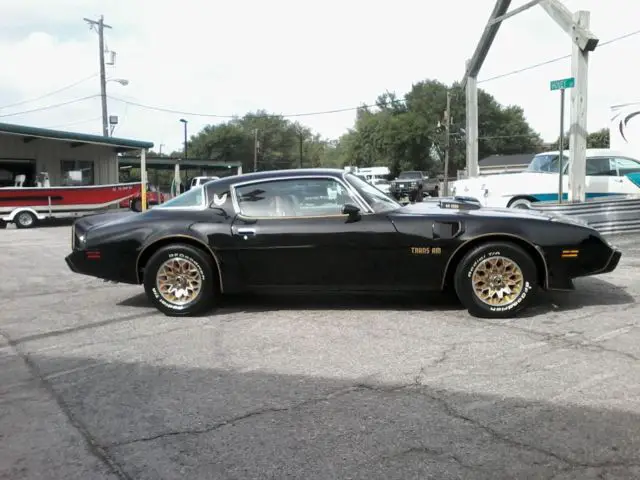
<point x="25" y="206"/>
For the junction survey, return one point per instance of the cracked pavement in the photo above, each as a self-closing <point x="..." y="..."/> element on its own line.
<point x="95" y="384"/>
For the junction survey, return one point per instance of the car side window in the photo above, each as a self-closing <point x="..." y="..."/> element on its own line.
<point x="304" y="197"/>
<point x="626" y="166"/>
<point x="600" y="166"/>
<point x="191" y="198"/>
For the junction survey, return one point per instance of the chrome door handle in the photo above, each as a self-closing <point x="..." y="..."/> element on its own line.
<point x="246" y="232"/>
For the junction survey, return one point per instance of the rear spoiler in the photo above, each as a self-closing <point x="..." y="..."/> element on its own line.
<point x="86" y="222"/>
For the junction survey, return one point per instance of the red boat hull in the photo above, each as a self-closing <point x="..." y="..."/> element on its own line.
<point x="66" y="198"/>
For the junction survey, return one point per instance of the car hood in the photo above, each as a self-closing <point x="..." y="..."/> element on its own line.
<point x="432" y="207"/>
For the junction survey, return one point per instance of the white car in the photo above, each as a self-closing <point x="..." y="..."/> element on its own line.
<point x="608" y="172"/>
<point x="381" y="184"/>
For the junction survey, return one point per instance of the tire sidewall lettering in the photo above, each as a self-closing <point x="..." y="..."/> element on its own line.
<point x="523" y="294"/>
<point x="480" y="259"/>
<point x="192" y="260"/>
<point x="169" y="305"/>
<point x="161" y="300"/>
<point x="516" y="302"/>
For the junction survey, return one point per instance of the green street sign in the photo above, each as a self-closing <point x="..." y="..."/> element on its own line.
<point x="564" y="83"/>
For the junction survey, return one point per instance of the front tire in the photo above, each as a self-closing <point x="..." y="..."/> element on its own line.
<point x="522" y="203"/>
<point x="179" y="280"/>
<point x="496" y="280"/>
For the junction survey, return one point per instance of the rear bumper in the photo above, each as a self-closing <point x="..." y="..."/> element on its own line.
<point x="101" y="265"/>
<point x="69" y="260"/>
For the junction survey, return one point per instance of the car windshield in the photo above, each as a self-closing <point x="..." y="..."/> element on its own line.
<point x="546" y="163"/>
<point x="190" y="198"/>
<point x="404" y="175"/>
<point x="379" y="181"/>
<point x="374" y="197"/>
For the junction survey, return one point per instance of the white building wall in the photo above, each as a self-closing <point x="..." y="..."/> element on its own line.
<point x="49" y="154"/>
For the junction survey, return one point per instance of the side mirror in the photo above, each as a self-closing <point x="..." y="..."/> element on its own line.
<point x="350" y="209"/>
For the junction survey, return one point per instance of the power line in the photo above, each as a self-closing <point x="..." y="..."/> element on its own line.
<point x="213" y="115"/>
<point x="557" y="59"/>
<point x="78" y="122"/>
<point x="49" y="107"/>
<point x="347" y="109"/>
<point x="305" y="114"/>
<point x="48" y="94"/>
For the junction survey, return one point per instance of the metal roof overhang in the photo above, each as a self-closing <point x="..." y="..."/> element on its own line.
<point x="170" y="162"/>
<point x="29" y="134"/>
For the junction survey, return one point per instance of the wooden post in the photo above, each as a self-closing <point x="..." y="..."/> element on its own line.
<point x="578" y="128"/>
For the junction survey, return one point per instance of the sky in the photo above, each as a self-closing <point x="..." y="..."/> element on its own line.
<point x="215" y="59"/>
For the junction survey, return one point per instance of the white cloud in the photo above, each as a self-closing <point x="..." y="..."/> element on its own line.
<point x="226" y="58"/>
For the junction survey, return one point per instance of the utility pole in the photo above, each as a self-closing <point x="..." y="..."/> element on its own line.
<point x="447" y="144"/>
<point x="255" y="149"/>
<point x="184" y="122"/>
<point x="103" y="77"/>
<point x="301" y="145"/>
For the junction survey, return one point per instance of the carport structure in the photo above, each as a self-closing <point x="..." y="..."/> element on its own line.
<point x="31" y="150"/>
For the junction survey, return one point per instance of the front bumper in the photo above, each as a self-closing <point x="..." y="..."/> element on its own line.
<point x="613" y="261"/>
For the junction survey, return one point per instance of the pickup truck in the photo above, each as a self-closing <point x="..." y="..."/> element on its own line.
<point x="410" y="184"/>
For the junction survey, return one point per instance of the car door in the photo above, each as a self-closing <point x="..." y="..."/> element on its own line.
<point x="292" y="233"/>
<point x="600" y="173"/>
<point x="627" y="180"/>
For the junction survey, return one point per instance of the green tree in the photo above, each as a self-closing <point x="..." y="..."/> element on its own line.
<point x="597" y="139"/>
<point x="280" y="143"/>
<point x="405" y="133"/>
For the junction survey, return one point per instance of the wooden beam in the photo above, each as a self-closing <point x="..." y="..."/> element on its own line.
<point x="560" y="14"/>
<point x="488" y="35"/>
<point x="515" y="11"/>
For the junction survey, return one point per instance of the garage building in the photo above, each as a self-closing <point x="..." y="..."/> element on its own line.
<point x="68" y="158"/>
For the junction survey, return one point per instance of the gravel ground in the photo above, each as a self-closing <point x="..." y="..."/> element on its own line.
<point x="95" y="384"/>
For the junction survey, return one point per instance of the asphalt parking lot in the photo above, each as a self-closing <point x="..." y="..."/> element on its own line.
<point x="94" y="384"/>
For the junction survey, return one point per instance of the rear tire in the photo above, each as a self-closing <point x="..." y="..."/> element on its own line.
<point x="25" y="220"/>
<point x="136" y="205"/>
<point x="180" y="280"/>
<point x="496" y="280"/>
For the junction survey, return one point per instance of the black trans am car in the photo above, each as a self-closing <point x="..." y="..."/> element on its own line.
<point x="324" y="230"/>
